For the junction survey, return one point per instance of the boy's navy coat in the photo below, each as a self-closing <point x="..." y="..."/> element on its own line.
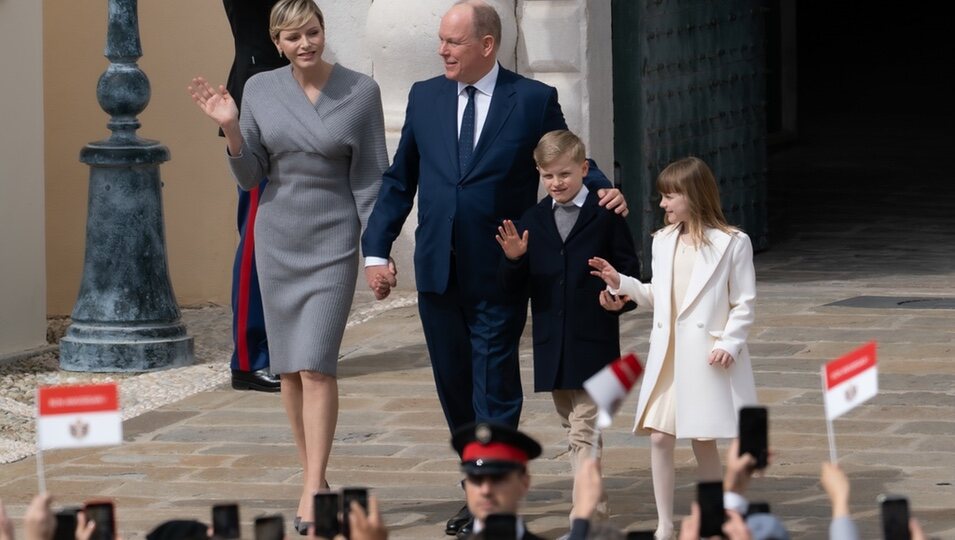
<point x="574" y="337"/>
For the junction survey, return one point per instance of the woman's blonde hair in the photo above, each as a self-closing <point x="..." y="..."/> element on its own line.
<point x="290" y="14"/>
<point x="692" y="178"/>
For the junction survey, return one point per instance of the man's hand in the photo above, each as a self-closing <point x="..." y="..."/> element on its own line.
<point x="612" y="198"/>
<point x="836" y="484"/>
<point x="381" y="278"/>
<point x="734" y="528"/>
<point x="739" y="469"/>
<point x="366" y="527"/>
<point x="514" y="245"/>
<point x="612" y="302"/>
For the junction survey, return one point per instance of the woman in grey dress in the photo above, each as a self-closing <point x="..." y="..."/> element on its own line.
<point x="316" y="130"/>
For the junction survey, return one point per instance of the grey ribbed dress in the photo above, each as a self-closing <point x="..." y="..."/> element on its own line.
<point x="324" y="164"/>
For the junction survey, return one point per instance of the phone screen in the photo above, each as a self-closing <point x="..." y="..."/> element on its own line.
<point x="753" y="434"/>
<point x="225" y="521"/>
<point x="66" y="524"/>
<point x="327" y="504"/>
<point x="101" y="513"/>
<point x="500" y="527"/>
<point x="709" y="495"/>
<point x="640" y="535"/>
<point x="269" y="527"/>
<point x="350" y="494"/>
<point x="895" y="517"/>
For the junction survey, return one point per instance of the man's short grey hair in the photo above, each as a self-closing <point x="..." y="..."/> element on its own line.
<point x="486" y="20"/>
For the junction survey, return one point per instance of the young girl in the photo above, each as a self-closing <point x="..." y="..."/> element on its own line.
<point x="698" y="372"/>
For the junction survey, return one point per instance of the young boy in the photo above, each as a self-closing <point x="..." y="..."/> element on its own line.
<point x="575" y="326"/>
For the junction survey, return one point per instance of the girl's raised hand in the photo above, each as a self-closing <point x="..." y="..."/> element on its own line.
<point x="217" y="104"/>
<point x="605" y="271"/>
<point x="514" y="245"/>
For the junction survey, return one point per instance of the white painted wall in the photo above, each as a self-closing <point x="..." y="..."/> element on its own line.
<point x="22" y="251"/>
<point x="566" y="44"/>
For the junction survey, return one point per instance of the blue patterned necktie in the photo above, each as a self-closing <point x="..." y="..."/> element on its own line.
<point x="466" y="138"/>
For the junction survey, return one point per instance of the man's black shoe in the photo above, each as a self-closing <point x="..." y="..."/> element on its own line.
<point x="459" y="520"/>
<point x="465" y="531"/>
<point x="260" y="380"/>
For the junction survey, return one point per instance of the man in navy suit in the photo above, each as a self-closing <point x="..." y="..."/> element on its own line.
<point x="466" y="150"/>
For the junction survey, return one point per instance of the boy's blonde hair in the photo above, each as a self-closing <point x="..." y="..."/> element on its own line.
<point x="559" y="143"/>
<point x="692" y="178"/>
<point x="291" y="14"/>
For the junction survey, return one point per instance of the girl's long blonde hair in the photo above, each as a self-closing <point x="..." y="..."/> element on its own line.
<point x="692" y="178"/>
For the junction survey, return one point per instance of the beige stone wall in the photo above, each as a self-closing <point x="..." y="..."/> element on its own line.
<point x="180" y="38"/>
<point x="22" y="283"/>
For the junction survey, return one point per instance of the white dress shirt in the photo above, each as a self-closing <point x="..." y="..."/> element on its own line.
<point x="482" y="100"/>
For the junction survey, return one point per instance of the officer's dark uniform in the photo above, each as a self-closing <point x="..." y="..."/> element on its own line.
<point x="488" y="449"/>
<point x="254" y="52"/>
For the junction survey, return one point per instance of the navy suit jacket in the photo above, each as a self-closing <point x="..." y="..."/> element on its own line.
<point x="461" y="210"/>
<point x="574" y="336"/>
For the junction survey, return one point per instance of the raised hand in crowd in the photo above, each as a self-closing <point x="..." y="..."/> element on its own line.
<point x="739" y="469"/>
<point x="368" y="526"/>
<point x="85" y="527"/>
<point x="734" y="528"/>
<point x="836" y="484"/>
<point x="39" y="522"/>
<point x="363" y="526"/>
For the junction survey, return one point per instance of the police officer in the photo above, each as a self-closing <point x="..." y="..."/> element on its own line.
<point x="494" y="459"/>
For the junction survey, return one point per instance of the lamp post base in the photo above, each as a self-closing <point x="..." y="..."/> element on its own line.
<point x="100" y="348"/>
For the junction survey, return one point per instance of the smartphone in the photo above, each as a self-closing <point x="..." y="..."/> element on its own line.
<point x="754" y="434"/>
<point x="709" y="495"/>
<point x="327" y="505"/>
<point x="758" y="508"/>
<point x="225" y="521"/>
<point x="66" y="524"/>
<point x="350" y="494"/>
<point x="270" y="527"/>
<point x="895" y="517"/>
<point x="101" y="513"/>
<point x="640" y="535"/>
<point x="500" y="527"/>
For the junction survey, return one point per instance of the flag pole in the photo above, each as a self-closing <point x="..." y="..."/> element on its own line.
<point x="40" y="474"/>
<point x="833" y="457"/>
<point x="595" y="445"/>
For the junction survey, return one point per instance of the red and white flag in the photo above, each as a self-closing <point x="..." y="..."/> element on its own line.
<point x="77" y="416"/>
<point x="610" y="386"/>
<point x="850" y="380"/>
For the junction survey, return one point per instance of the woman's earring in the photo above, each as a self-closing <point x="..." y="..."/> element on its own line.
<point x="280" y="53"/>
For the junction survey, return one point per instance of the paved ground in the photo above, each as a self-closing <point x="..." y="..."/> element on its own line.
<point x="849" y="239"/>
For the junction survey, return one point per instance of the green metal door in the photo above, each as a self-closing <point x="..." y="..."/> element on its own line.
<point x="688" y="79"/>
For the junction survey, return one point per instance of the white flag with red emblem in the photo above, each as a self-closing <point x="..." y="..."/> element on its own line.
<point x="850" y="380"/>
<point x="78" y="415"/>
<point x="610" y="386"/>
